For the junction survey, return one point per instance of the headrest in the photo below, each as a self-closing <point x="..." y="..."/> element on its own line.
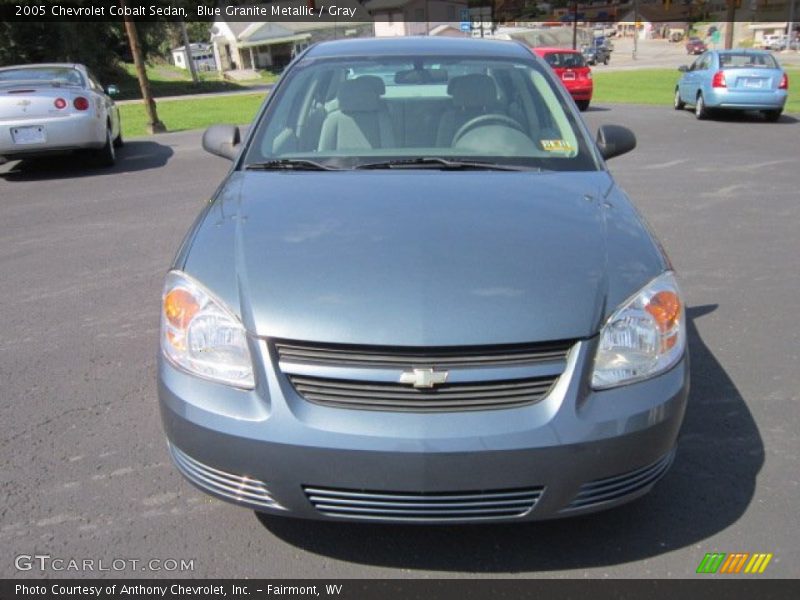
<point x="360" y="94"/>
<point x="472" y="90"/>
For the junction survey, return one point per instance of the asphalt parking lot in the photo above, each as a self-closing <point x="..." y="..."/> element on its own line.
<point x="85" y="472"/>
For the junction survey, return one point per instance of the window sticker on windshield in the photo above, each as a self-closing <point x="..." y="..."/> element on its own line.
<point x="557" y="146"/>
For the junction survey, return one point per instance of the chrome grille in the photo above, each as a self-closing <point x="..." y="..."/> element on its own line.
<point x="380" y="378"/>
<point x="447" y="397"/>
<point x="407" y="506"/>
<point x="238" y="488"/>
<point x="612" y="488"/>
<point x="442" y="357"/>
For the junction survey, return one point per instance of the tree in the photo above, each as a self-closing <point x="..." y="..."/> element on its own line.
<point x="154" y="125"/>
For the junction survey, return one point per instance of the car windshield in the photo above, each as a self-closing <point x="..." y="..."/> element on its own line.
<point x="348" y="113"/>
<point x="747" y="61"/>
<point x="60" y="75"/>
<point x="567" y="60"/>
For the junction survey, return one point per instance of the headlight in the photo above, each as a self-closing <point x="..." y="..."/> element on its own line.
<point x="645" y="336"/>
<point x="201" y="336"/>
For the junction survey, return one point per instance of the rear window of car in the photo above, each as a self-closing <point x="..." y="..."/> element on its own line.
<point x="565" y="60"/>
<point x="61" y="75"/>
<point x="747" y="61"/>
<point x="348" y="112"/>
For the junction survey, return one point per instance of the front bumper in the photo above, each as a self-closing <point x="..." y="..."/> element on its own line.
<point x="576" y="451"/>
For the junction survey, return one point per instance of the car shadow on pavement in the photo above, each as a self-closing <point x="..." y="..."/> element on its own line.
<point x="132" y="157"/>
<point x="709" y="487"/>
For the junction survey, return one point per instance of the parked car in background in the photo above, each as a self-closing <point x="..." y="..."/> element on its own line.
<point x="571" y="68"/>
<point x="597" y="52"/>
<point x="48" y="109"/>
<point x="733" y="80"/>
<point x="427" y="302"/>
<point x="774" y="41"/>
<point x="695" y="45"/>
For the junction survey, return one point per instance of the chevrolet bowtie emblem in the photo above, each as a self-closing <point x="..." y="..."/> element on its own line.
<point x="423" y="378"/>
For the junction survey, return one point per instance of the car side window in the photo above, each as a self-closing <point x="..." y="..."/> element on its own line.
<point x="94" y="83"/>
<point x="696" y="64"/>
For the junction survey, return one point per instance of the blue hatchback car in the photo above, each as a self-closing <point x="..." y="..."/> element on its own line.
<point x="733" y="80"/>
<point x="419" y="296"/>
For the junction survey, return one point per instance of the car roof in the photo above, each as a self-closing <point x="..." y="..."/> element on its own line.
<point x="44" y="65"/>
<point x="433" y="46"/>
<point x="743" y="51"/>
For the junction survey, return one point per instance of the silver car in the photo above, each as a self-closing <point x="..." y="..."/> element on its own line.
<point x="56" y="108"/>
<point x="419" y="296"/>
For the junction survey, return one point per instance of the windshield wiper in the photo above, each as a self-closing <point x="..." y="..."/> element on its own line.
<point x="289" y="164"/>
<point x="437" y="162"/>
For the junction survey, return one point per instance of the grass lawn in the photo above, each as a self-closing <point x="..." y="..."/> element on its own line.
<point x="179" y="115"/>
<point x="168" y="80"/>
<point x="657" y="86"/>
<point x="650" y="86"/>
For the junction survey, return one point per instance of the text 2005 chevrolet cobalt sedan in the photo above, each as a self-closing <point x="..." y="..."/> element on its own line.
<point x="419" y="296"/>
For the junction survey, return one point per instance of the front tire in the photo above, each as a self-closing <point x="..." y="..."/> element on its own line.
<point x="700" y="110"/>
<point x="773" y="115"/>
<point x="678" y="104"/>
<point x="106" y="156"/>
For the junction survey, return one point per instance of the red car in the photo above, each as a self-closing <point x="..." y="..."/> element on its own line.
<point x="695" y="46"/>
<point x="573" y="71"/>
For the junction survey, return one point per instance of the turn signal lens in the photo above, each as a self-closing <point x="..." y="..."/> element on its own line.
<point x="60" y="103"/>
<point x="81" y="103"/>
<point x="179" y="307"/>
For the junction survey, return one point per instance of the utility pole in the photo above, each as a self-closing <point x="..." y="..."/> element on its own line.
<point x="153" y="124"/>
<point x="188" y="48"/>
<point x="790" y="25"/>
<point x="731" y="19"/>
<point x="635" y="28"/>
<point x="575" y="25"/>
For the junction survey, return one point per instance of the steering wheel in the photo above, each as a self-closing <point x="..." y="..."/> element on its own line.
<point x="483" y="120"/>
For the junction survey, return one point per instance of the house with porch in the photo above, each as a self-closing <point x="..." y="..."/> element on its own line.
<point x="251" y="45"/>
<point x="415" y="17"/>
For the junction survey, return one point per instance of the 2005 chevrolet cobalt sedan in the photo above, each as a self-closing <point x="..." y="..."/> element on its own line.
<point x="419" y="296"/>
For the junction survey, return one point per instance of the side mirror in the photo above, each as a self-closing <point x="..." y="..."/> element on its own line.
<point x="222" y="140"/>
<point x="112" y="90"/>
<point x="613" y="140"/>
<point x="683" y="68"/>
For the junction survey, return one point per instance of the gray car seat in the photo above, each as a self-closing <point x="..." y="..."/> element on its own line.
<point x="361" y="120"/>
<point x="473" y="95"/>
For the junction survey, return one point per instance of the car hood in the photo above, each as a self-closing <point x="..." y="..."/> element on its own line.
<point x="421" y="258"/>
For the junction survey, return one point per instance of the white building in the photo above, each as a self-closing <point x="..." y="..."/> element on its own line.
<point x="202" y="54"/>
<point x="241" y="45"/>
<point x="763" y="30"/>
<point x="414" y="17"/>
